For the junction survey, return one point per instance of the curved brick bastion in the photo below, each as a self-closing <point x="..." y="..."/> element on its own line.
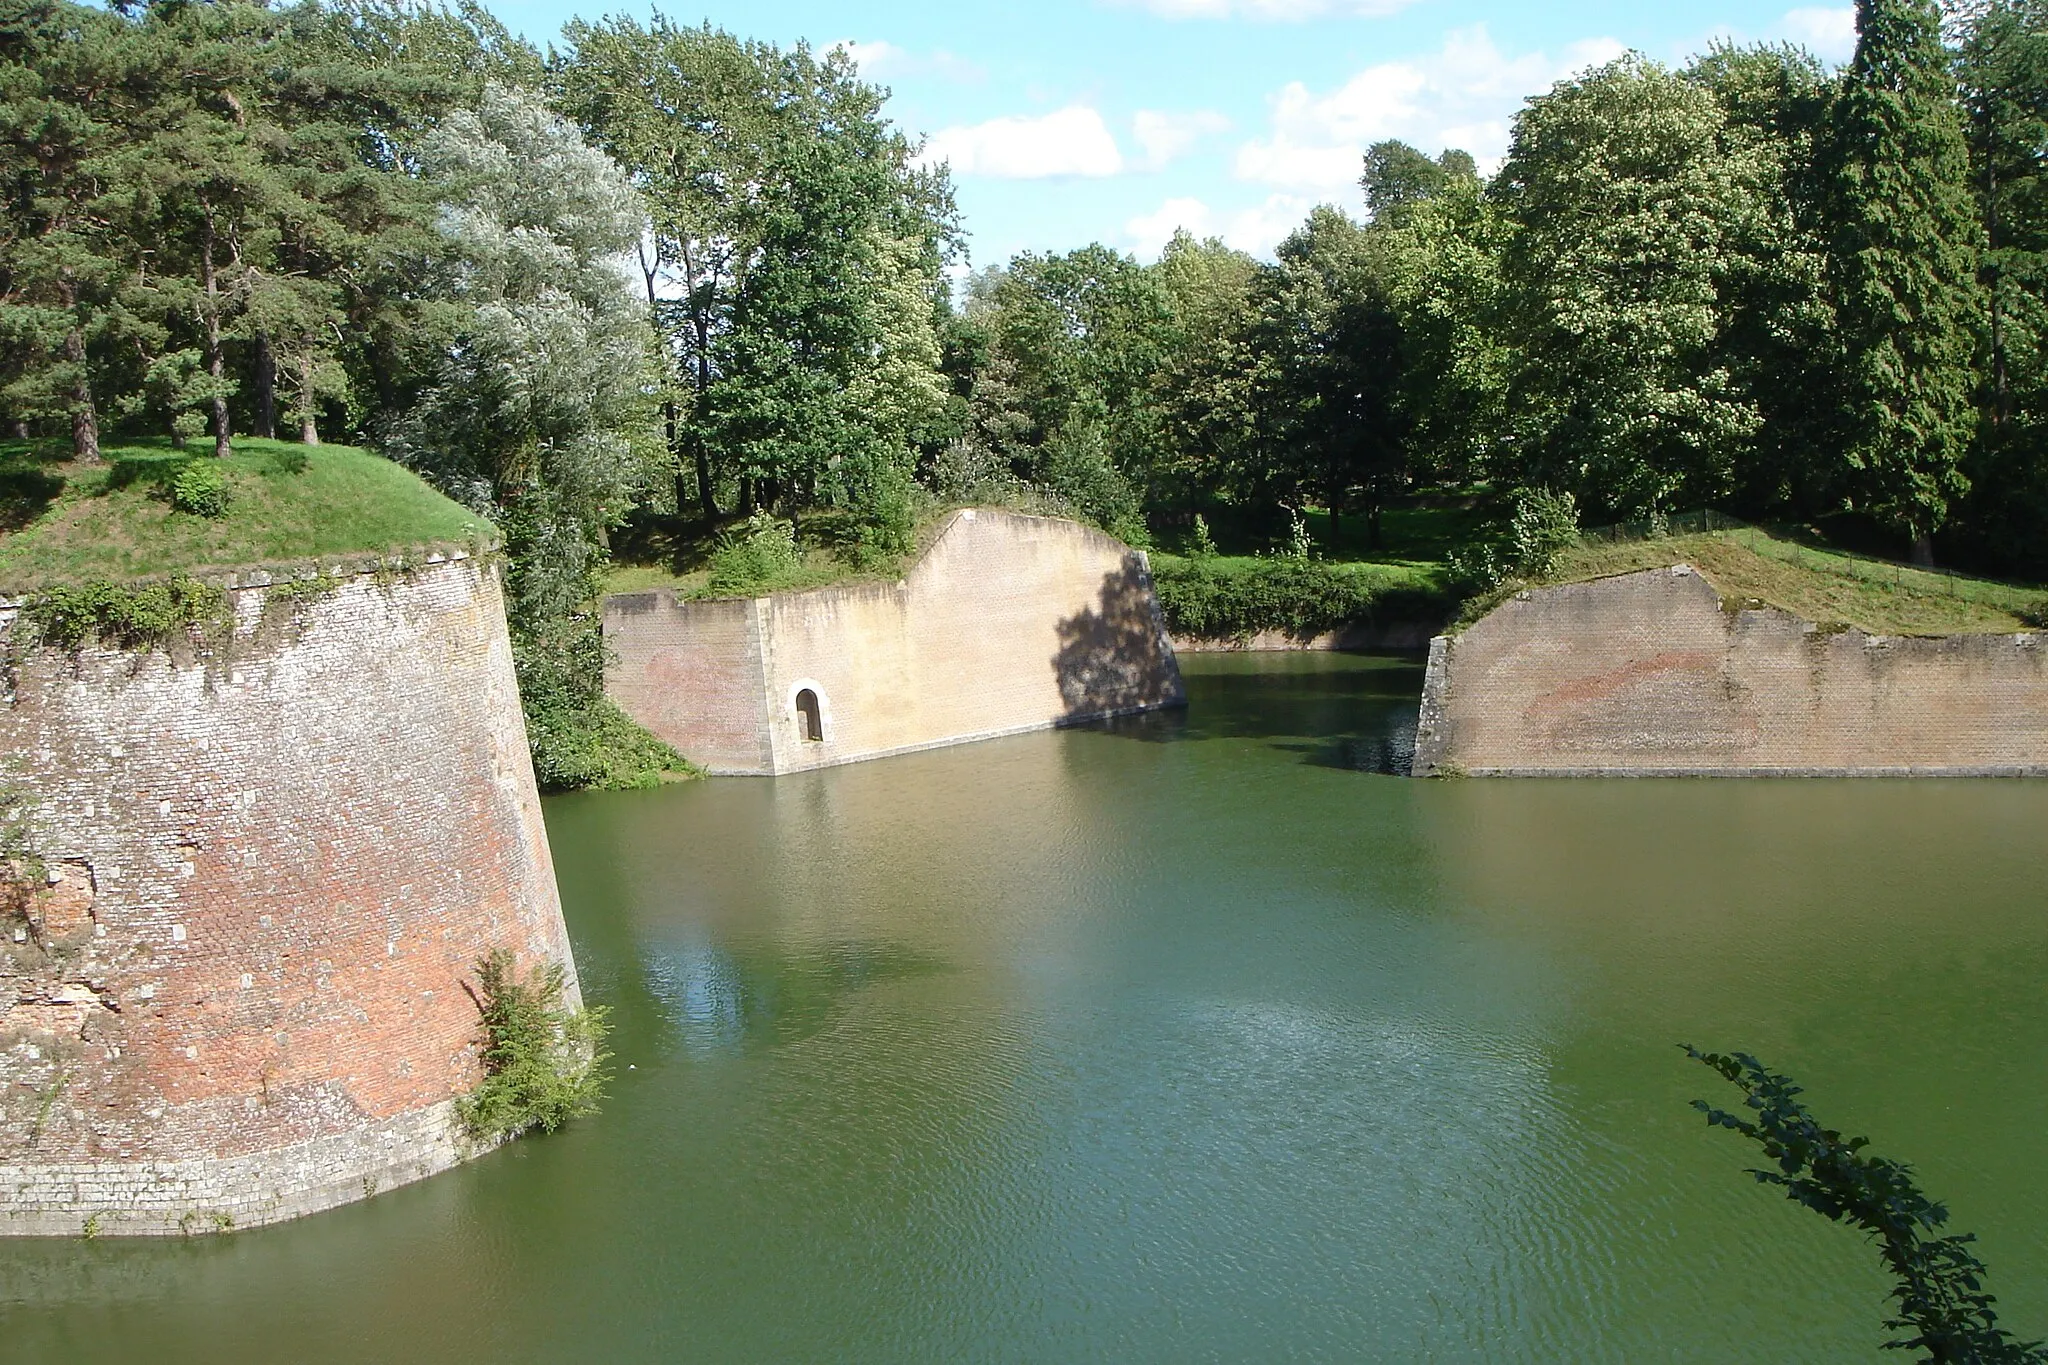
<point x="1006" y="623"/>
<point x="233" y="987"/>
<point x="1651" y="673"/>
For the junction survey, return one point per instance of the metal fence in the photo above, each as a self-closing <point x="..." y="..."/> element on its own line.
<point x="1762" y="540"/>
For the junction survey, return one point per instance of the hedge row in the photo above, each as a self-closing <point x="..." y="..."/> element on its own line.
<point x="1217" y="599"/>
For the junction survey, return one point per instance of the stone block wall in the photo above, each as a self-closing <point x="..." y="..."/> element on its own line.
<point x="233" y="989"/>
<point x="1651" y="673"/>
<point x="1006" y="623"/>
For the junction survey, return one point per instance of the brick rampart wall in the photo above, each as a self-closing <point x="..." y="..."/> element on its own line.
<point x="236" y="993"/>
<point x="1007" y="623"/>
<point x="1649" y="673"/>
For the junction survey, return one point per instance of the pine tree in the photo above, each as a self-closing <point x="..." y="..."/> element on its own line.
<point x="59" y="264"/>
<point x="1905" y="239"/>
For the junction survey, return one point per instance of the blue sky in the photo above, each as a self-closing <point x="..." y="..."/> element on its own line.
<point x="1070" y="121"/>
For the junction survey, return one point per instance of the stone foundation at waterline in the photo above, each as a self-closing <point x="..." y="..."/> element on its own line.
<point x="1006" y="623"/>
<point x="1651" y="673"/>
<point x="247" y="891"/>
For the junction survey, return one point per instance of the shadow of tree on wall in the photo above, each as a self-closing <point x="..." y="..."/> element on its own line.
<point x="1114" y="657"/>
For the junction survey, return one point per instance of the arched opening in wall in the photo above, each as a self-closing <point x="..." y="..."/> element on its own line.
<point x="809" y="718"/>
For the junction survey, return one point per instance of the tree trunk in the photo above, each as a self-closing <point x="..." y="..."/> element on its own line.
<point x="266" y="388"/>
<point x="309" y="407"/>
<point x="216" y="361"/>
<point x="20" y="429"/>
<point x="1923" y="549"/>
<point x="707" y="496"/>
<point x="85" y="418"/>
<point x="705" y="491"/>
<point x="746" y="508"/>
<point x="1374" y="539"/>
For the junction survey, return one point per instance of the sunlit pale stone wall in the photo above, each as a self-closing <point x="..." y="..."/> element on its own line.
<point x="1006" y="623"/>
<point x="233" y="979"/>
<point x="1650" y="673"/>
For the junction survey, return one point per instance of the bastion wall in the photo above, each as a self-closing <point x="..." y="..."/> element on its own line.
<point x="1652" y="673"/>
<point x="1006" y="623"/>
<point x="248" y="885"/>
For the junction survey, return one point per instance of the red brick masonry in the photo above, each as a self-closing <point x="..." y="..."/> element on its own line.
<point x="234" y="992"/>
<point x="1650" y="673"/>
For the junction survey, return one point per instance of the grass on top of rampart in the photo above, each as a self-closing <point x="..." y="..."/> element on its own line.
<point x="1750" y="567"/>
<point x="117" y="521"/>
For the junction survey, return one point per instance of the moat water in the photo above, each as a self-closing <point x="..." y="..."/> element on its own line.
<point x="1199" y="1038"/>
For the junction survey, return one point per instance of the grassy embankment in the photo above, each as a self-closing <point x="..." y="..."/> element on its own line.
<point x="69" y="523"/>
<point x="659" y="558"/>
<point x="1830" y="587"/>
<point x="1218" y="594"/>
<point x="829" y="552"/>
<point x="1238" y="594"/>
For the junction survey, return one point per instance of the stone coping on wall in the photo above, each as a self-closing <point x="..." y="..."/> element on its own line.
<point x="340" y="568"/>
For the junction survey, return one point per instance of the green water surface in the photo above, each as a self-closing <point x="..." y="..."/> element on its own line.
<point x="1200" y="1038"/>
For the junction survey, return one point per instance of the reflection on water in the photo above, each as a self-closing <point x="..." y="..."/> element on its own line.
<point x="1349" y="711"/>
<point x="1194" y="1037"/>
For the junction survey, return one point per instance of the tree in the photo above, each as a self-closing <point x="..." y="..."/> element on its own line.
<point x="1201" y="387"/>
<point x="1625" y="205"/>
<point x="538" y="410"/>
<point x="2002" y="64"/>
<point x="1397" y="175"/>
<point x="62" y="261"/>
<point x="1440" y="260"/>
<point x="196" y="188"/>
<point x="1776" y="331"/>
<point x="1903" y="262"/>
<point x="1078" y="340"/>
<point x="1326" y="389"/>
<point x="792" y="237"/>
<point x="1944" y="1309"/>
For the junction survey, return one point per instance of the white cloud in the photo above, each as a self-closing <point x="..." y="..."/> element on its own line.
<point x="1276" y="11"/>
<point x="879" y="60"/>
<point x="1829" y="33"/>
<point x="1070" y="141"/>
<point x="1164" y="136"/>
<point x="1257" y="229"/>
<point x="874" y="59"/>
<point x="1463" y="96"/>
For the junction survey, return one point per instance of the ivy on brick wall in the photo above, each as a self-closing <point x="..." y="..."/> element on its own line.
<point x="137" y="616"/>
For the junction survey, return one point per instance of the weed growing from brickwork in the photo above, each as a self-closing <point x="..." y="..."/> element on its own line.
<point x="136" y="617"/>
<point x="544" y="1063"/>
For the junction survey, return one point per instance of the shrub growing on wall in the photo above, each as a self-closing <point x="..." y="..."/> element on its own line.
<point x="544" y="1063"/>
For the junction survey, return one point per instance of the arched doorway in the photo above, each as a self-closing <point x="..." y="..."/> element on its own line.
<point x="809" y="718"/>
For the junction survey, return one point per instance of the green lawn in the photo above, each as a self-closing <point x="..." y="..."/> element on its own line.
<point x="1825" y="586"/>
<point x="64" y="522"/>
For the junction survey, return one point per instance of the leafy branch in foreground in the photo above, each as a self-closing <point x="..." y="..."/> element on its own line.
<point x="1943" y="1306"/>
<point x="544" y="1063"/>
